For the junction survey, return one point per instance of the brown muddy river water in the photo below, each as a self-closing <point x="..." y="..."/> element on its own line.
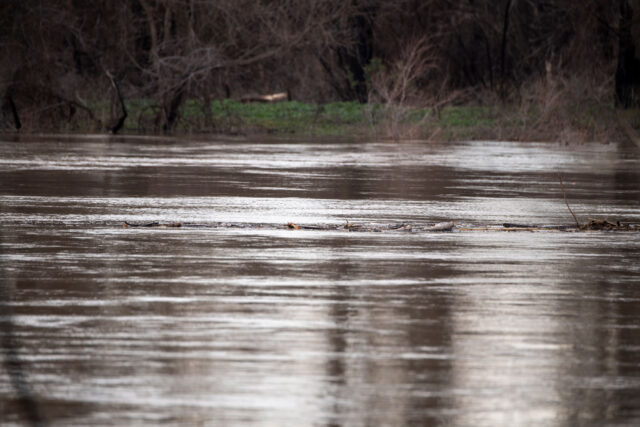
<point x="240" y="321"/>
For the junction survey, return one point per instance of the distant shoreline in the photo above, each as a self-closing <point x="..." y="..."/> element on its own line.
<point x="595" y="122"/>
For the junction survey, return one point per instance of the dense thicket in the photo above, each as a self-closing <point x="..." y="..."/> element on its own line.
<point x="64" y="58"/>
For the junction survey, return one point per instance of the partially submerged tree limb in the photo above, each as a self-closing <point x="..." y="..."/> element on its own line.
<point x="564" y="194"/>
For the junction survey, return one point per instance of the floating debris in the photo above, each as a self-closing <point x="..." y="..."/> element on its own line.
<point x="152" y="224"/>
<point x="442" y="226"/>
<point x="403" y="227"/>
<point x="603" y="224"/>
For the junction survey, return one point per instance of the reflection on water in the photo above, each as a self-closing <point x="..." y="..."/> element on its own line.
<point x="242" y="326"/>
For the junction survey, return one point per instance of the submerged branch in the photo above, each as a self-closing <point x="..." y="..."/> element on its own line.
<point x="564" y="194"/>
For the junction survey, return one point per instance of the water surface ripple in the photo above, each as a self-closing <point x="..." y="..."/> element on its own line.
<point x="108" y="326"/>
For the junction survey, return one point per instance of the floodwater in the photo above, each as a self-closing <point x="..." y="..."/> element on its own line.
<point x="240" y="321"/>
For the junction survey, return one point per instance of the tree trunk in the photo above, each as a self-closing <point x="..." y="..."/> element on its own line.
<point x="628" y="69"/>
<point x="119" y="123"/>
<point x="9" y="108"/>
<point x="171" y="108"/>
<point x="503" y="50"/>
<point x="354" y="61"/>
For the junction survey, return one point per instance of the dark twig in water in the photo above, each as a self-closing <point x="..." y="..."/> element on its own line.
<point x="564" y="194"/>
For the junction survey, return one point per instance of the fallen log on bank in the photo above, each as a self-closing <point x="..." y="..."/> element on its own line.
<point x="272" y="97"/>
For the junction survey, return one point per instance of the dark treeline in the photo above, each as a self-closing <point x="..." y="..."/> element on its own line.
<point x="63" y="58"/>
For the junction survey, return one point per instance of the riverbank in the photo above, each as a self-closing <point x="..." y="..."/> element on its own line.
<point x="522" y="122"/>
<point x="579" y="123"/>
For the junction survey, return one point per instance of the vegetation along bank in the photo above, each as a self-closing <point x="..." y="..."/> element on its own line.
<point x="561" y="70"/>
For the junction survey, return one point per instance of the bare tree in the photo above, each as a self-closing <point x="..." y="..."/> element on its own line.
<point x="67" y="59"/>
<point x="193" y="44"/>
